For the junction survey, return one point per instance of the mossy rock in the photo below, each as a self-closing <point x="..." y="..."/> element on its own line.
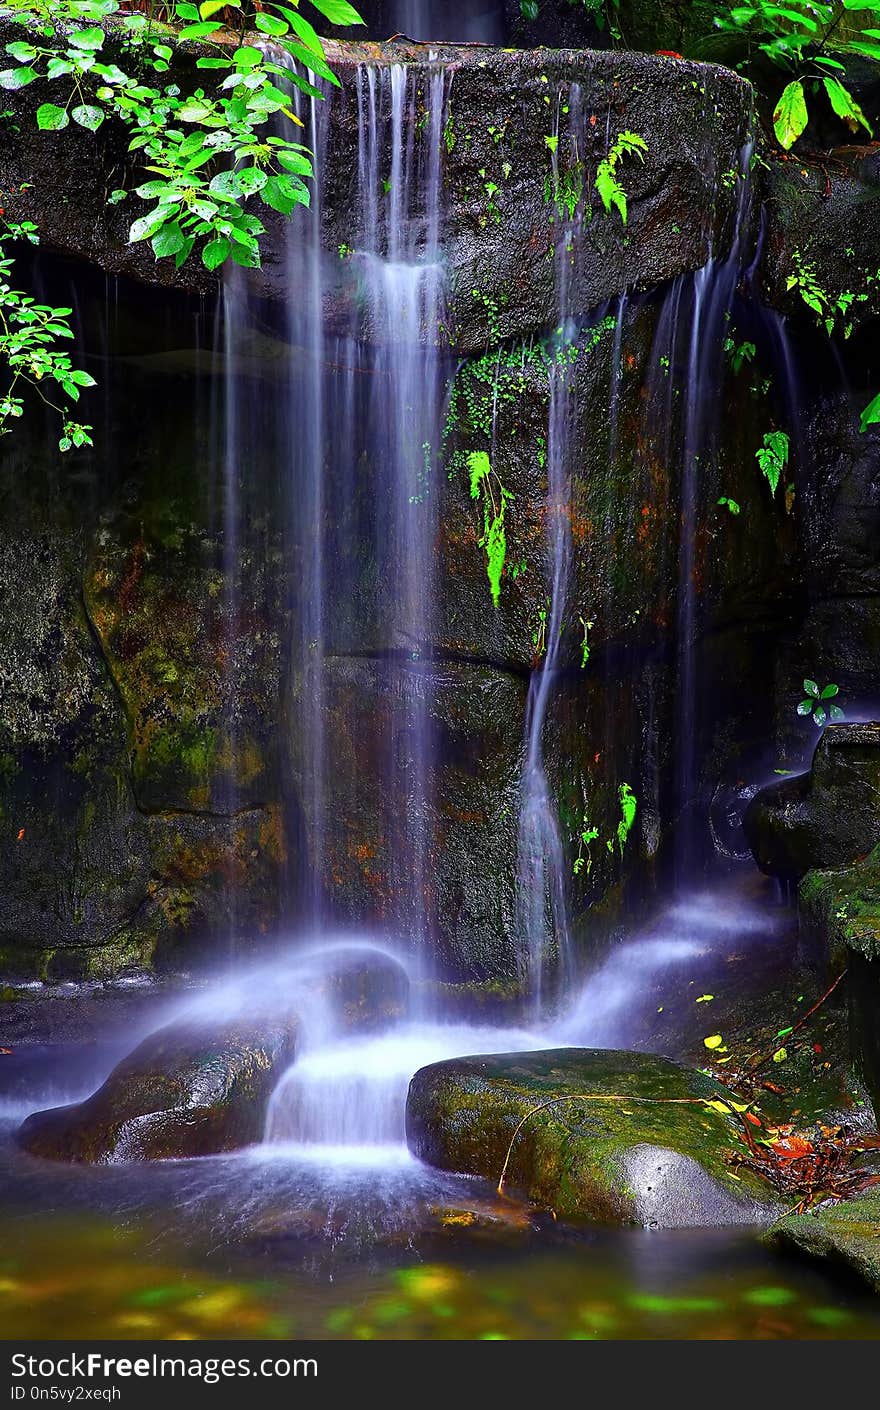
<point x="191" y="1089"/>
<point x="843" y="1236"/>
<point x="654" y="1155"/>
<point x="839" y="914"/>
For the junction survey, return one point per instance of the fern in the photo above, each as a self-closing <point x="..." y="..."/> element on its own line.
<point x="627" y="144"/>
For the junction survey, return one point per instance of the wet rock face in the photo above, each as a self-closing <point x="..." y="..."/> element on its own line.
<point x="825" y="818"/>
<point x="825" y="220"/>
<point x="461" y="902"/>
<point x="139" y="680"/>
<point x="654" y="1159"/>
<point x="364" y="989"/>
<point x="188" y="1090"/>
<point x="693" y="118"/>
<point x="499" y="176"/>
<point x="839" y="914"/>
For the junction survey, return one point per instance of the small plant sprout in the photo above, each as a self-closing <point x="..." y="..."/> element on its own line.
<point x="815" y="704"/>
<point x="584" y="861"/>
<point x="729" y="504"/>
<point x="772" y="457"/>
<point x="486" y="487"/>
<point x="587" y="627"/>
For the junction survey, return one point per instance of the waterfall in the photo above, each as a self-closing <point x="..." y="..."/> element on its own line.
<point x="682" y="422"/>
<point x="366" y="400"/>
<point x="461" y="21"/>
<point x="541" y="881"/>
<point x="712" y="293"/>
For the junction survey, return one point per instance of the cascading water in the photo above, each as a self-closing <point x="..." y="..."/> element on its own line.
<point x="541" y="885"/>
<point x="706" y="301"/>
<point x="371" y="395"/>
<point x="460" y="21"/>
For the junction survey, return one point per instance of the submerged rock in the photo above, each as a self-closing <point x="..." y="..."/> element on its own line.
<point x="654" y="1154"/>
<point x="188" y="1090"/>
<point x="825" y="818"/>
<point x="845" y="1235"/>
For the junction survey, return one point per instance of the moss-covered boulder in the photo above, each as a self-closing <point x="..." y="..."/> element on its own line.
<point x="194" y="1088"/>
<point x="654" y="1153"/>
<point x="839" y="913"/>
<point x="843" y="1237"/>
<point x="825" y="818"/>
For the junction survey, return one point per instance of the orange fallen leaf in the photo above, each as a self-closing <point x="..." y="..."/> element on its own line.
<point x="792" y="1148"/>
<point x="750" y="1116"/>
<point x="20" y="833"/>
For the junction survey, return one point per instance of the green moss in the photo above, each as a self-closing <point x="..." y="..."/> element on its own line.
<point x="569" y="1156"/>
<point x="845" y="1235"/>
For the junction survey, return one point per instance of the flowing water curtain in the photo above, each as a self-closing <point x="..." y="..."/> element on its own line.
<point x="683" y="395"/>
<point x="367" y="395"/>
<point x="542" y="909"/>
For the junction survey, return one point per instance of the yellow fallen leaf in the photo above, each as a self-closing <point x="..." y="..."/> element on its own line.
<point x="704" y="999"/>
<point x="714" y="1040"/>
<point x="780" y="1055"/>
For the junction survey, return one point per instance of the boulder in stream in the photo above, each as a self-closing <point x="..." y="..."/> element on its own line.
<point x="191" y="1089"/>
<point x="652" y="1153"/>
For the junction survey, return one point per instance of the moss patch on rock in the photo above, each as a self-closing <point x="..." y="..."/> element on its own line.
<point x="845" y="1235"/>
<point x="655" y="1153"/>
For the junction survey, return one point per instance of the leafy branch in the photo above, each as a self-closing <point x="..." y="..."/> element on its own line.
<point x="804" y="37"/>
<point x="29" y="351"/>
<point x="208" y="153"/>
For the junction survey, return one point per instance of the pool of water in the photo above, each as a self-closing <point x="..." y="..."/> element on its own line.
<point x="368" y="1243"/>
<point x="331" y="1230"/>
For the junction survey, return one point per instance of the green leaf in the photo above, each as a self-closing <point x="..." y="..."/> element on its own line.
<point x="215" y="252"/>
<point x="305" y="31"/>
<point x="805" y="707"/>
<point x="845" y="106"/>
<point x="871" y="414"/>
<point x="17" y="78"/>
<point x="148" y="224"/>
<point x="836" y="714"/>
<point x="812" y="689"/>
<point x="21" y="51"/>
<point x="311" y="60"/>
<point x="829" y="692"/>
<point x="337" y="11"/>
<point x="270" y="24"/>
<point x="88" y="116"/>
<point x="212" y="7"/>
<point x="790" y="116"/>
<point x="200" y="31"/>
<point x="250" y="180"/>
<point x="51" y="118"/>
<point x="91" y="38"/>
<point x="168" y="240"/>
<point x="819" y="717"/>
<point x="281" y="194"/>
